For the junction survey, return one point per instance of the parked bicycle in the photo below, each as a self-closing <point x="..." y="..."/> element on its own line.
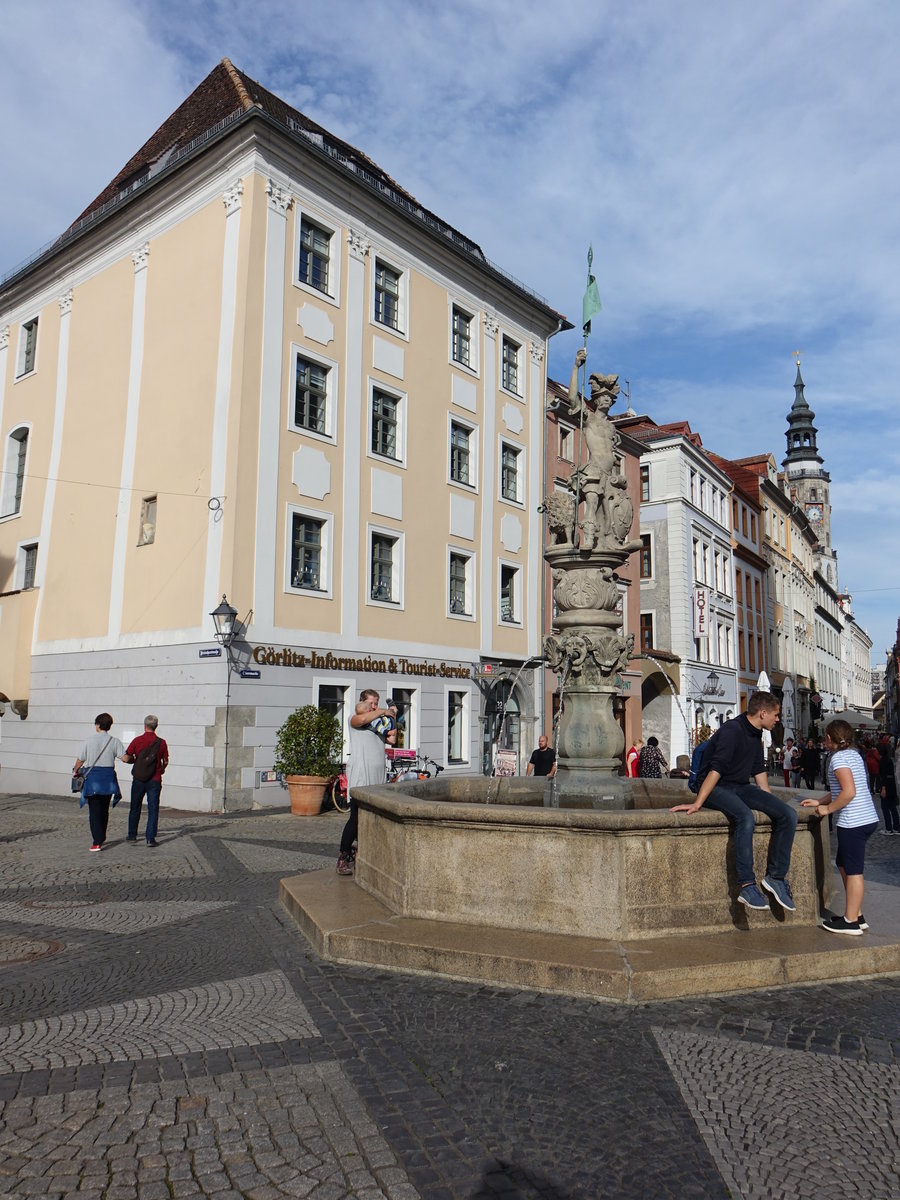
<point x="409" y="764"/>
<point x="337" y="790"/>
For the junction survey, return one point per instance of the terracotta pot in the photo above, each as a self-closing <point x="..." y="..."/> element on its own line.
<point x="307" y="793"/>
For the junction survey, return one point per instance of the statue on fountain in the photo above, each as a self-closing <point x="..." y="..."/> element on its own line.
<point x="589" y="526"/>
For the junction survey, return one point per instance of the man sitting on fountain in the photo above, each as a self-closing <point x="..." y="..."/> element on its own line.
<point x="735" y="755"/>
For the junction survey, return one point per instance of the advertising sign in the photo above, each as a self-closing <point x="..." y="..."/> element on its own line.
<point x="701" y="612"/>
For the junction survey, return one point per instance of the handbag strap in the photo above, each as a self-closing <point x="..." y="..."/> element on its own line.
<point x="97" y="759"/>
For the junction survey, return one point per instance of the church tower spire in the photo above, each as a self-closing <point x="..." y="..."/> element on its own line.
<point x="806" y="480"/>
<point x="801" y="433"/>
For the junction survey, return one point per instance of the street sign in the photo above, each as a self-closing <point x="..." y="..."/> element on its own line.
<point x="211" y="652"/>
<point x="249" y="673"/>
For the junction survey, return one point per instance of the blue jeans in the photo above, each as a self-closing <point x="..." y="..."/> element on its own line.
<point x="152" y="788"/>
<point x="737" y="802"/>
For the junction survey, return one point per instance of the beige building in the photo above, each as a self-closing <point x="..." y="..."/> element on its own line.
<point x="256" y="366"/>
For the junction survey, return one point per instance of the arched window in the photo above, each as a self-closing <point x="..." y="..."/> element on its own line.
<point x="14" y="472"/>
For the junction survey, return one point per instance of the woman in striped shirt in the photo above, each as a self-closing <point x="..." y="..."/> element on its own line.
<point x="856" y="821"/>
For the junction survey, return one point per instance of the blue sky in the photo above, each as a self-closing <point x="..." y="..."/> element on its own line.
<point x="736" y="168"/>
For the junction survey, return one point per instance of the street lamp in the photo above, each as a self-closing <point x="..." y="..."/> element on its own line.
<point x="227" y="629"/>
<point x="224" y="618"/>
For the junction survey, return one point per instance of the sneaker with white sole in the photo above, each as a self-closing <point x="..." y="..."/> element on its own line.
<point x="344" y="864"/>
<point x="752" y="897"/>
<point x="781" y="890"/>
<point x="96" y="848"/>
<point x="835" y="924"/>
<point x="863" y="923"/>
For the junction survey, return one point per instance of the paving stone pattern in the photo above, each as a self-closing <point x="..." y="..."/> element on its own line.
<point x="168" y="1033"/>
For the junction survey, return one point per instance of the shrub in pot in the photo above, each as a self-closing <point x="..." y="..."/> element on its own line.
<point x="307" y="750"/>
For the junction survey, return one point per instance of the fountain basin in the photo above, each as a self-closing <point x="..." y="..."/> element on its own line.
<point x="436" y="850"/>
<point x="630" y="905"/>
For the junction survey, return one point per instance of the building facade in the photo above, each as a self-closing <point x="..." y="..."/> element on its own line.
<point x="256" y="367"/>
<point x="688" y="611"/>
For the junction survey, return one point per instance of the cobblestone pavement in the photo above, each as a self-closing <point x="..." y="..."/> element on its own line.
<point x="167" y="1032"/>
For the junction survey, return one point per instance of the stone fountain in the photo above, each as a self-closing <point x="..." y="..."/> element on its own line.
<point x="589" y="527"/>
<point x="489" y="879"/>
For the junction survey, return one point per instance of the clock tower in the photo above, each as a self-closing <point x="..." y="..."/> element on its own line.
<point x="809" y="485"/>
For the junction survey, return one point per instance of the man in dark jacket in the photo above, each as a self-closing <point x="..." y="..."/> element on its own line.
<point x="809" y="763"/>
<point x="734" y="758"/>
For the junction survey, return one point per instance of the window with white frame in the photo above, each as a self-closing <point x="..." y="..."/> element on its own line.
<point x="566" y="443"/>
<point x="646" y="556"/>
<point x="27" y="355"/>
<point x="406" y="702"/>
<point x="310" y="551"/>
<point x="510" y="365"/>
<point x="646" y="631"/>
<point x="461" y="330"/>
<point x="457" y="727"/>
<point x="147" y="531"/>
<point x="28" y="562"/>
<point x="312" y="395"/>
<point x="510" y="594"/>
<point x="645" y="482"/>
<point x="462" y="457"/>
<point x="14" y="472"/>
<point x="460" y="588"/>
<point x="388" y="295"/>
<point x="511" y="473"/>
<point x="385" y="567"/>
<point x="333" y="697"/>
<point x="387" y="433"/>
<point x="315" y="256"/>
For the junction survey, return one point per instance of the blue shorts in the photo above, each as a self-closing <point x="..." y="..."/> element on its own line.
<point x="851" y="853"/>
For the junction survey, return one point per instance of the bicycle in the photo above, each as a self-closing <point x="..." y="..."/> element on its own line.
<point x="407" y="765"/>
<point x="337" y="791"/>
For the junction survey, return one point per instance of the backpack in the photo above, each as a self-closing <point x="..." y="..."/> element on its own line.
<point x="697" y="775"/>
<point x="145" y="761"/>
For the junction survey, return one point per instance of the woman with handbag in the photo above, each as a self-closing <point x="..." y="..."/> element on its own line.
<point x="99" y="783"/>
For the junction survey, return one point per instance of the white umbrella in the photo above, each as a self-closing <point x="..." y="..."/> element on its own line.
<point x="763" y="685"/>
<point x="787" y="708"/>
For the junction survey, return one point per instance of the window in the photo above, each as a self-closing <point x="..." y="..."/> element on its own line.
<point x="646" y="557"/>
<point x="332" y="697"/>
<point x="753" y="526"/>
<point x="742" y="658"/>
<point x="14" y="473"/>
<point x="387" y="295"/>
<point x="462" y="326"/>
<point x="510" y="474"/>
<point x="460" y="453"/>
<point x="315" y="255"/>
<point x="385" y="423"/>
<point x="147" y="532"/>
<point x="566" y="443"/>
<point x="457" y="740"/>
<point x="384" y="568"/>
<point x="645" y="482"/>
<point x="739" y="588"/>
<point x="29" y="565"/>
<point x="311" y="388"/>
<point x="404" y="700"/>
<point x="510" y="598"/>
<point x="308" y="536"/>
<point x="460" y="599"/>
<point x="27" y="347"/>
<point x="510" y="375"/>
<point x="646" y="631"/>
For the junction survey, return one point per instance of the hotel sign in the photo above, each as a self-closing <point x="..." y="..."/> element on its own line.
<point x="701" y="612"/>
<point x="268" y="656"/>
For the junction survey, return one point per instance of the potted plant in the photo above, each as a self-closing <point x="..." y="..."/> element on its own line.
<point x="308" y="748"/>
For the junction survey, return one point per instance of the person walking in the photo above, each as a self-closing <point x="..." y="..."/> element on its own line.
<point x="543" y="760"/>
<point x="651" y="763"/>
<point x="856" y="821"/>
<point x="367" y="765"/>
<point x="887" y="790"/>
<point x="809" y="763"/>
<point x="149" y="756"/>
<point x="787" y="762"/>
<point x="734" y="758"/>
<point x="99" y="753"/>
<point x="632" y="759"/>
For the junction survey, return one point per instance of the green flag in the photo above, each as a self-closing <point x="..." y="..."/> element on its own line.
<point x="591" y="304"/>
